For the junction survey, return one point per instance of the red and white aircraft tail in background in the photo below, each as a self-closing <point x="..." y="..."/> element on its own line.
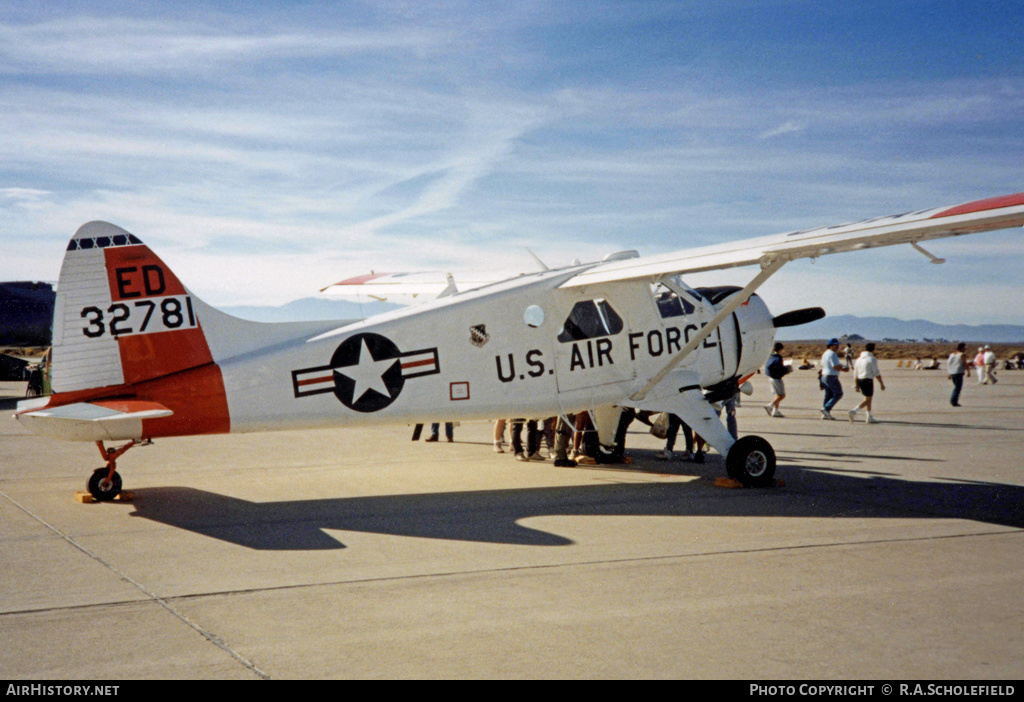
<point x="136" y="356"/>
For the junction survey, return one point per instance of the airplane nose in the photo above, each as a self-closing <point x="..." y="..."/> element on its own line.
<point x="796" y="317"/>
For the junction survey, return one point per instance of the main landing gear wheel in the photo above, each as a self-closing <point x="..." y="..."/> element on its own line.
<point x="103" y="486"/>
<point x="751" y="461"/>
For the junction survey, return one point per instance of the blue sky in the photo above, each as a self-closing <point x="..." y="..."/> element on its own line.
<point x="265" y="151"/>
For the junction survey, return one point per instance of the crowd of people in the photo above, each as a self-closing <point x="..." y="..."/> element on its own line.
<point x="571" y="439"/>
<point x="866" y="374"/>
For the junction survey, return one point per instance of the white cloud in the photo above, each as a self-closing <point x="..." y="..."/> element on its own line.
<point x="319" y="150"/>
<point x="24" y="194"/>
<point x="90" y="44"/>
<point x="788" y="127"/>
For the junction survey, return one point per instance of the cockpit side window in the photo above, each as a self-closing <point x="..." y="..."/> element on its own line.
<point x="676" y="283"/>
<point x="591" y="319"/>
<point x="671" y="304"/>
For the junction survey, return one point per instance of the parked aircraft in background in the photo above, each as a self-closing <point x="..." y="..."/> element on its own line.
<point x="26" y="313"/>
<point x="136" y="356"/>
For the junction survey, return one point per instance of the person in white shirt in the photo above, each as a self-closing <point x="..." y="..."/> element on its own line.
<point x="830" y="370"/>
<point x="989" y="363"/>
<point x="956" y="365"/>
<point x="866" y="372"/>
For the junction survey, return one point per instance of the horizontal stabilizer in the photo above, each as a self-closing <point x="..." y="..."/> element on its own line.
<point x="103" y="420"/>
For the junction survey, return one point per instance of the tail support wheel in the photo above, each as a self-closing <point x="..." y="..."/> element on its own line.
<point x="105" y="483"/>
<point x="751" y="461"/>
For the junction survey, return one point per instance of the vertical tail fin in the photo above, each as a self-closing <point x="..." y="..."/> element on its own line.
<point x="122" y="316"/>
<point x="136" y="355"/>
<point x="125" y="326"/>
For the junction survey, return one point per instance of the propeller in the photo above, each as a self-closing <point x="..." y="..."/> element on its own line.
<point x="792" y="319"/>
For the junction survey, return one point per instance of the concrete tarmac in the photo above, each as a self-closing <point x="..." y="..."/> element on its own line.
<point x="894" y="551"/>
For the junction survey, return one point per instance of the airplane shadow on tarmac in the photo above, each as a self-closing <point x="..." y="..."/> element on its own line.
<point x="494" y="516"/>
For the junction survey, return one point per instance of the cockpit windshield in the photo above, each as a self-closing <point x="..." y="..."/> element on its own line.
<point x="675" y="298"/>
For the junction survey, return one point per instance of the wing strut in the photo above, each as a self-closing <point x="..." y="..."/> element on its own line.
<point x="931" y="258"/>
<point x="768" y="269"/>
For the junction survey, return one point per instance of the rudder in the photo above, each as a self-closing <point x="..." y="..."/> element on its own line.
<point x="124" y="325"/>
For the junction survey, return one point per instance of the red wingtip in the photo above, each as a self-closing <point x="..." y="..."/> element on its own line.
<point x="361" y="279"/>
<point x="991" y="203"/>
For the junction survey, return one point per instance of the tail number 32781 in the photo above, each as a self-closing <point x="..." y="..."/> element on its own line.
<point x="140" y="317"/>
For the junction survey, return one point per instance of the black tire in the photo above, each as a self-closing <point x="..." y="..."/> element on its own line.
<point x="100" y="488"/>
<point x="751" y="461"/>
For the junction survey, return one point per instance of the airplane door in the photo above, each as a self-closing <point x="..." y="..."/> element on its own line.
<point x="591" y="350"/>
<point x="718" y="356"/>
<point x="729" y="346"/>
<point x="722" y="349"/>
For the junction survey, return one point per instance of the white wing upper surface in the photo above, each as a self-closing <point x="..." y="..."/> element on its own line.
<point x="411" y="288"/>
<point x="909" y="228"/>
<point x="978" y="216"/>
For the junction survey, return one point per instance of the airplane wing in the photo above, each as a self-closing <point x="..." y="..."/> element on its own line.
<point x="413" y="287"/>
<point x="90" y="421"/>
<point x="909" y="228"/>
<point x="421" y="286"/>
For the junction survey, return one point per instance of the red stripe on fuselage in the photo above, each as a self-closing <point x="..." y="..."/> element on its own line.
<point x="196" y="397"/>
<point x="416" y="364"/>
<point x="314" y="381"/>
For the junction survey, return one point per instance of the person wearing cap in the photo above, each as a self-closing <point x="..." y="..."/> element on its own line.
<point x="830" y="370"/>
<point x="979" y="364"/>
<point x="776" y="370"/>
<point x="988" y="367"/>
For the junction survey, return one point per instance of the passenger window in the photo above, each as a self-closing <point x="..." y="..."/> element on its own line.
<point x="590" y="319"/>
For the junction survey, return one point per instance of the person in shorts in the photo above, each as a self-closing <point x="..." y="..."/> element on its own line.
<point x="776" y="370"/>
<point x="866" y="372"/>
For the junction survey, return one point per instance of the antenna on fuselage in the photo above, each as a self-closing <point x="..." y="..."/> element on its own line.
<point x="543" y="266"/>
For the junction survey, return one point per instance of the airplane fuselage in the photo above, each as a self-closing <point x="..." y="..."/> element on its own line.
<point x="522" y="348"/>
<point x="137" y="356"/>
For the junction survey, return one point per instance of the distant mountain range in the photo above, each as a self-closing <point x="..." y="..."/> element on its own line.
<point x="879" y="328"/>
<point x="870" y="328"/>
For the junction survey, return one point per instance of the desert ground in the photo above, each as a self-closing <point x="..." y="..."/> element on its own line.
<point x="891" y="551"/>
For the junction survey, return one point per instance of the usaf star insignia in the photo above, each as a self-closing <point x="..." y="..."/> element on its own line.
<point x="367" y="372"/>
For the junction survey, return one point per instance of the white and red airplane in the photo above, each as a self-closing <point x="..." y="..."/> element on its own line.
<point x="136" y="356"/>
